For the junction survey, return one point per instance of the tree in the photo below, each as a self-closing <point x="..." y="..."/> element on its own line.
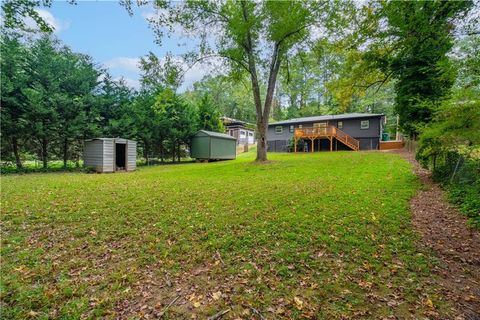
<point x="14" y="59"/>
<point x="209" y="116"/>
<point x="16" y="13"/>
<point x="60" y="90"/>
<point x="456" y="123"/>
<point x="43" y="94"/>
<point x="230" y="95"/>
<point x="112" y="102"/>
<point x="412" y="48"/>
<point x="148" y="124"/>
<point x="254" y="37"/>
<point x="78" y="79"/>
<point x="178" y="120"/>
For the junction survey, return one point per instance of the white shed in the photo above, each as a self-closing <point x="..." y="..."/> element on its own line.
<point x="110" y="154"/>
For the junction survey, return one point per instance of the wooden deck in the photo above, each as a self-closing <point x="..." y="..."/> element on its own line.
<point x="329" y="132"/>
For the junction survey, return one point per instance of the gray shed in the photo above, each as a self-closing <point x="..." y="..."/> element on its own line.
<point x="110" y="154"/>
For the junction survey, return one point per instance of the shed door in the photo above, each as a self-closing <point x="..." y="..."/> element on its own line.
<point x="120" y="156"/>
<point x="131" y="155"/>
<point x="108" y="155"/>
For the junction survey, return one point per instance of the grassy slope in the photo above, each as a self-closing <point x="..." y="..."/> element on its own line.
<point x="326" y="234"/>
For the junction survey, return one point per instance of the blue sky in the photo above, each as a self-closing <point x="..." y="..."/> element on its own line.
<point x="105" y="31"/>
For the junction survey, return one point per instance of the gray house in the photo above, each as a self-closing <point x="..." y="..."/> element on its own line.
<point x="349" y="131"/>
<point x="110" y="154"/>
<point x="240" y="130"/>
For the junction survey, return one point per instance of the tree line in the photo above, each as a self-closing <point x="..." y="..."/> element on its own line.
<point x="53" y="99"/>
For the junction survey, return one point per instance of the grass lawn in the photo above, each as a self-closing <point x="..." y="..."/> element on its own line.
<point x="323" y="235"/>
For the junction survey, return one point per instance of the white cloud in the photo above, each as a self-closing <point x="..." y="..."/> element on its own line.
<point x="149" y="15"/>
<point x="199" y="70"/>
<point x="154" y="15"/>
<point x="132" y="83"/>
<point x="125" y="63"/>
<point x="57" y="24"/>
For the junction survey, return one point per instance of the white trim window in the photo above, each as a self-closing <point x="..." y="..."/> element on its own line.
<point x="320" y="125"/>
<point x="292" y="128"/>
<point x="340" y="124"/>
<point x="278" y="129"/>
<point x="364" y="124"/>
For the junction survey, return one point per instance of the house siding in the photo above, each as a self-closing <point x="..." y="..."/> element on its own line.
<point x="369" y="138"/>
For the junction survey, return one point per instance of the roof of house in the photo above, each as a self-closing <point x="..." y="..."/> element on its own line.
<point x="231" y="122"/>
<point x="328" y="117"/>
<point x="216" y="134"/>
<point x="227" y="121"/>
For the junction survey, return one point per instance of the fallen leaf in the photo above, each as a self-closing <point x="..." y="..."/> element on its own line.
<point x="32" y="314"/>
<point x="298" y="302"/>
<point x="280" y="310"/>
<point x="216" y="295"/>
<point x="429" y="303"/>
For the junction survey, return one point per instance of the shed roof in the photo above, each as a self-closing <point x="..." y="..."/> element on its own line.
<point x="328" y="117"/>
<point x="215" y="134"/>
<point x="109" y="139"/>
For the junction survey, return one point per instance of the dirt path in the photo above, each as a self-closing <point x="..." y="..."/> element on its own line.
<point x="456" y="245"/>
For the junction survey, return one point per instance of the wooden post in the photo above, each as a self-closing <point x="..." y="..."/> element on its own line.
<point x="331" y="143"/>
<point x="312" y="144"/>
<point x="397" y="133"/>
<point x="295" y="145"/>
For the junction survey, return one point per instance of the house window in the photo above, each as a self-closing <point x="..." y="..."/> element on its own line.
<point x="250" y="134"/>
<point x="364" y="124"/>
<point x="292" y="128"/>
<point x="242" y="133"/>
<point x="278" y="129"/>
<point x="340" y="125"/>
<point x="320" y="125"/>
<point x="300" y="126"/>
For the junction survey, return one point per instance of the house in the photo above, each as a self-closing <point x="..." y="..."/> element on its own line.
<point x="240" y="130"/>
<point x="349" y="131"/>
<point x="110" y="154"/>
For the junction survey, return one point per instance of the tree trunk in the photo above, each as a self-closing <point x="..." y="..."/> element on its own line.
<point x="45" y="153"/>
<point x="65" y="153"/>
<point x="178" y="152"/>
<point x="145" y="152"/>
<point x="262" y="125"/>
<point x="262" y="142"/>
<point x="173" y="152"/>
<point x="18" y="161"/>
<point x="161" y="150"/>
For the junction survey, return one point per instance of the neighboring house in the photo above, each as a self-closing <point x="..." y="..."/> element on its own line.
<point x="350" y="131"/>
<point x="239" y="130"/>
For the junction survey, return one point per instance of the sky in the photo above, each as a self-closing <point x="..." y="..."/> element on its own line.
<point x="115" y="40"/>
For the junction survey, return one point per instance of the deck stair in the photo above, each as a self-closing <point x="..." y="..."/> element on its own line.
<point x="328" y="132"/>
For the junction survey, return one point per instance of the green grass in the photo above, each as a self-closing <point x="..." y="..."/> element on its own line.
<point x="325" y="235"/>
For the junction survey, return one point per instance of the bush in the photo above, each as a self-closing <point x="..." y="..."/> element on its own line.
<point x="460" y="176"/>
<point x="468" y="199"/>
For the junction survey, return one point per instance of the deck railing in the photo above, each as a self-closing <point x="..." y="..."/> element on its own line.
<point x="327" y="132"/>
<point x="310" y="132"/>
